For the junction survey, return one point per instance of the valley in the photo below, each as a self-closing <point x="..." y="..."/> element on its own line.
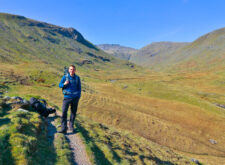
<point x="172" y="110"/>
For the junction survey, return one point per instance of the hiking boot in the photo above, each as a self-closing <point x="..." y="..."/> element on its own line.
<point x="72" y="129"/>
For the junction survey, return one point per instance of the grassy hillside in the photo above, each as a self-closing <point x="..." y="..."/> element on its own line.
<point x="108" y="145"/>
<point x="23" y="40"/>
<point x="178" y="111"/>
<point x="162" y="110"/>
<point x="205" y="53"/>
<point x="155" y="53"/>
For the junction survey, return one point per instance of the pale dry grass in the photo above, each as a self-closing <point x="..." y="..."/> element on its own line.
<point x="174" y="124"/>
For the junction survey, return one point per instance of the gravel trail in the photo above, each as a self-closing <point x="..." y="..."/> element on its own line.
<point x="79" y="155"/>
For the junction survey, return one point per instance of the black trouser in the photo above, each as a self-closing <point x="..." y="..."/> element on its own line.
<point x="73" y="105"/>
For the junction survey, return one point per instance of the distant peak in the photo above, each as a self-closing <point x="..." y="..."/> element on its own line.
<point x="105" y="46"/>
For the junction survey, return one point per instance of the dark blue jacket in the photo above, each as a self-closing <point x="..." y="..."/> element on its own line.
<point x="73" y="89"/>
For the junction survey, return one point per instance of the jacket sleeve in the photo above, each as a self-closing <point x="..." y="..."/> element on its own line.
<point x="61" y="84"/>
<point x="79" y="86"/>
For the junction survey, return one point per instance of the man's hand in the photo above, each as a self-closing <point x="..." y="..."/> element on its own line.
<point x="66" y="82"/>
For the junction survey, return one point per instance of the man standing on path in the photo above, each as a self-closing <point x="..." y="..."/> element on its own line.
<point x="71" y="85"/>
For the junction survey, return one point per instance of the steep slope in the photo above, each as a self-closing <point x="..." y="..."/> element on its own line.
<point x="118" y="51"/>
<point x="24" y="40"/>
<point x="155" y="53"/>
<point x="207" y="52"/>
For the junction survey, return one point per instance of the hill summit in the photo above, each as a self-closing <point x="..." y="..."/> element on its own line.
<point x="118" y="51"/>
<point x="26" y="40"/>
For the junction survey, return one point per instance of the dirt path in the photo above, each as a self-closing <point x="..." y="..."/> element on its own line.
<point x="78" y="150"/>
<point x="79" y="156"/>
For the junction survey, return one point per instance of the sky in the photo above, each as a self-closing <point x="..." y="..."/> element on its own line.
<point x="132" y="23"/>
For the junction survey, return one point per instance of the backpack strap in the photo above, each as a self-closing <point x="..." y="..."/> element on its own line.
<point x="68" y="93"/>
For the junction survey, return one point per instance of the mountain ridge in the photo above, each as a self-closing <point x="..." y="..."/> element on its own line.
<point x="183" y="56"/>
<point x="24" y="39"/>
<point x="122" y="52"/>
<point x="155" y="52"/>
<point x="205" y="50"/>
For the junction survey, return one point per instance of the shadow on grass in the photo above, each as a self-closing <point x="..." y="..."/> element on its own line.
<point x="40" y="150"/>
<point x="115" y="155"/>
<point x="46" y="150"/>
<point x="25" y="133"/>
<point x="5" y="108"/>
<point x="4" y="121"/>
<point x="99" y="156"/>
<point x="51" y="129"/>
<point x="5" y="151"/>
<point x="3" y="87"/>
<point x="157" y="160"/>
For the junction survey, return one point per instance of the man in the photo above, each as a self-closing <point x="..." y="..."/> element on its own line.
<point x="71" y="85"/>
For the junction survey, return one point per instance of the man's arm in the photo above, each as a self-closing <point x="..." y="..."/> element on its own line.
<point x="79" y="86"/>
<point x="61" y="84"/>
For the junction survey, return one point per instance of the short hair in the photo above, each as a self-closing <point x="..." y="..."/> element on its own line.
<point x="71" y="65"/>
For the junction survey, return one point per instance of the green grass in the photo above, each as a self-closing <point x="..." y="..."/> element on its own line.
<point x="105" y="145"/>
<point x="24" y="136"/>
<point x="64" y="154"/>
<point x="24" y="139"/>
<point x="5" y="146"/>
<point x="27" y="42"/>
<point x="169" y="90"/>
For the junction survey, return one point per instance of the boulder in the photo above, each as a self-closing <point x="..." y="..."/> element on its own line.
<point x="195" y="161"/>
<point x="212" y="141"/>
<point x="25" y="101"/>
<point x="6" y="98"/>
<point x="125" y="86"/>
<point x="22" y="110"/>
<point x="16" y="97"/>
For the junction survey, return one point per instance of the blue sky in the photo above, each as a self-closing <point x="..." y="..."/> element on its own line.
<point x="133" y="23"/>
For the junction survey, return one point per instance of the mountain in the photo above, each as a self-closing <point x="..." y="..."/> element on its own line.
<point x="205" y="53"/>
<point x="118" y="51"/>
<point x="23" y="40"/>
<point x="155" y="53"/>
<point x="150" y="56"/>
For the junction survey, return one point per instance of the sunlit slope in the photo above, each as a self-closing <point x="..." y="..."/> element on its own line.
<point x="168" y="110"/>
<point x="205" y="53"/>
<point x="170" y="123"/>
<point x="123" y="147"/>
<point x="155" y="53"/>
<point x="23" y="40"/>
